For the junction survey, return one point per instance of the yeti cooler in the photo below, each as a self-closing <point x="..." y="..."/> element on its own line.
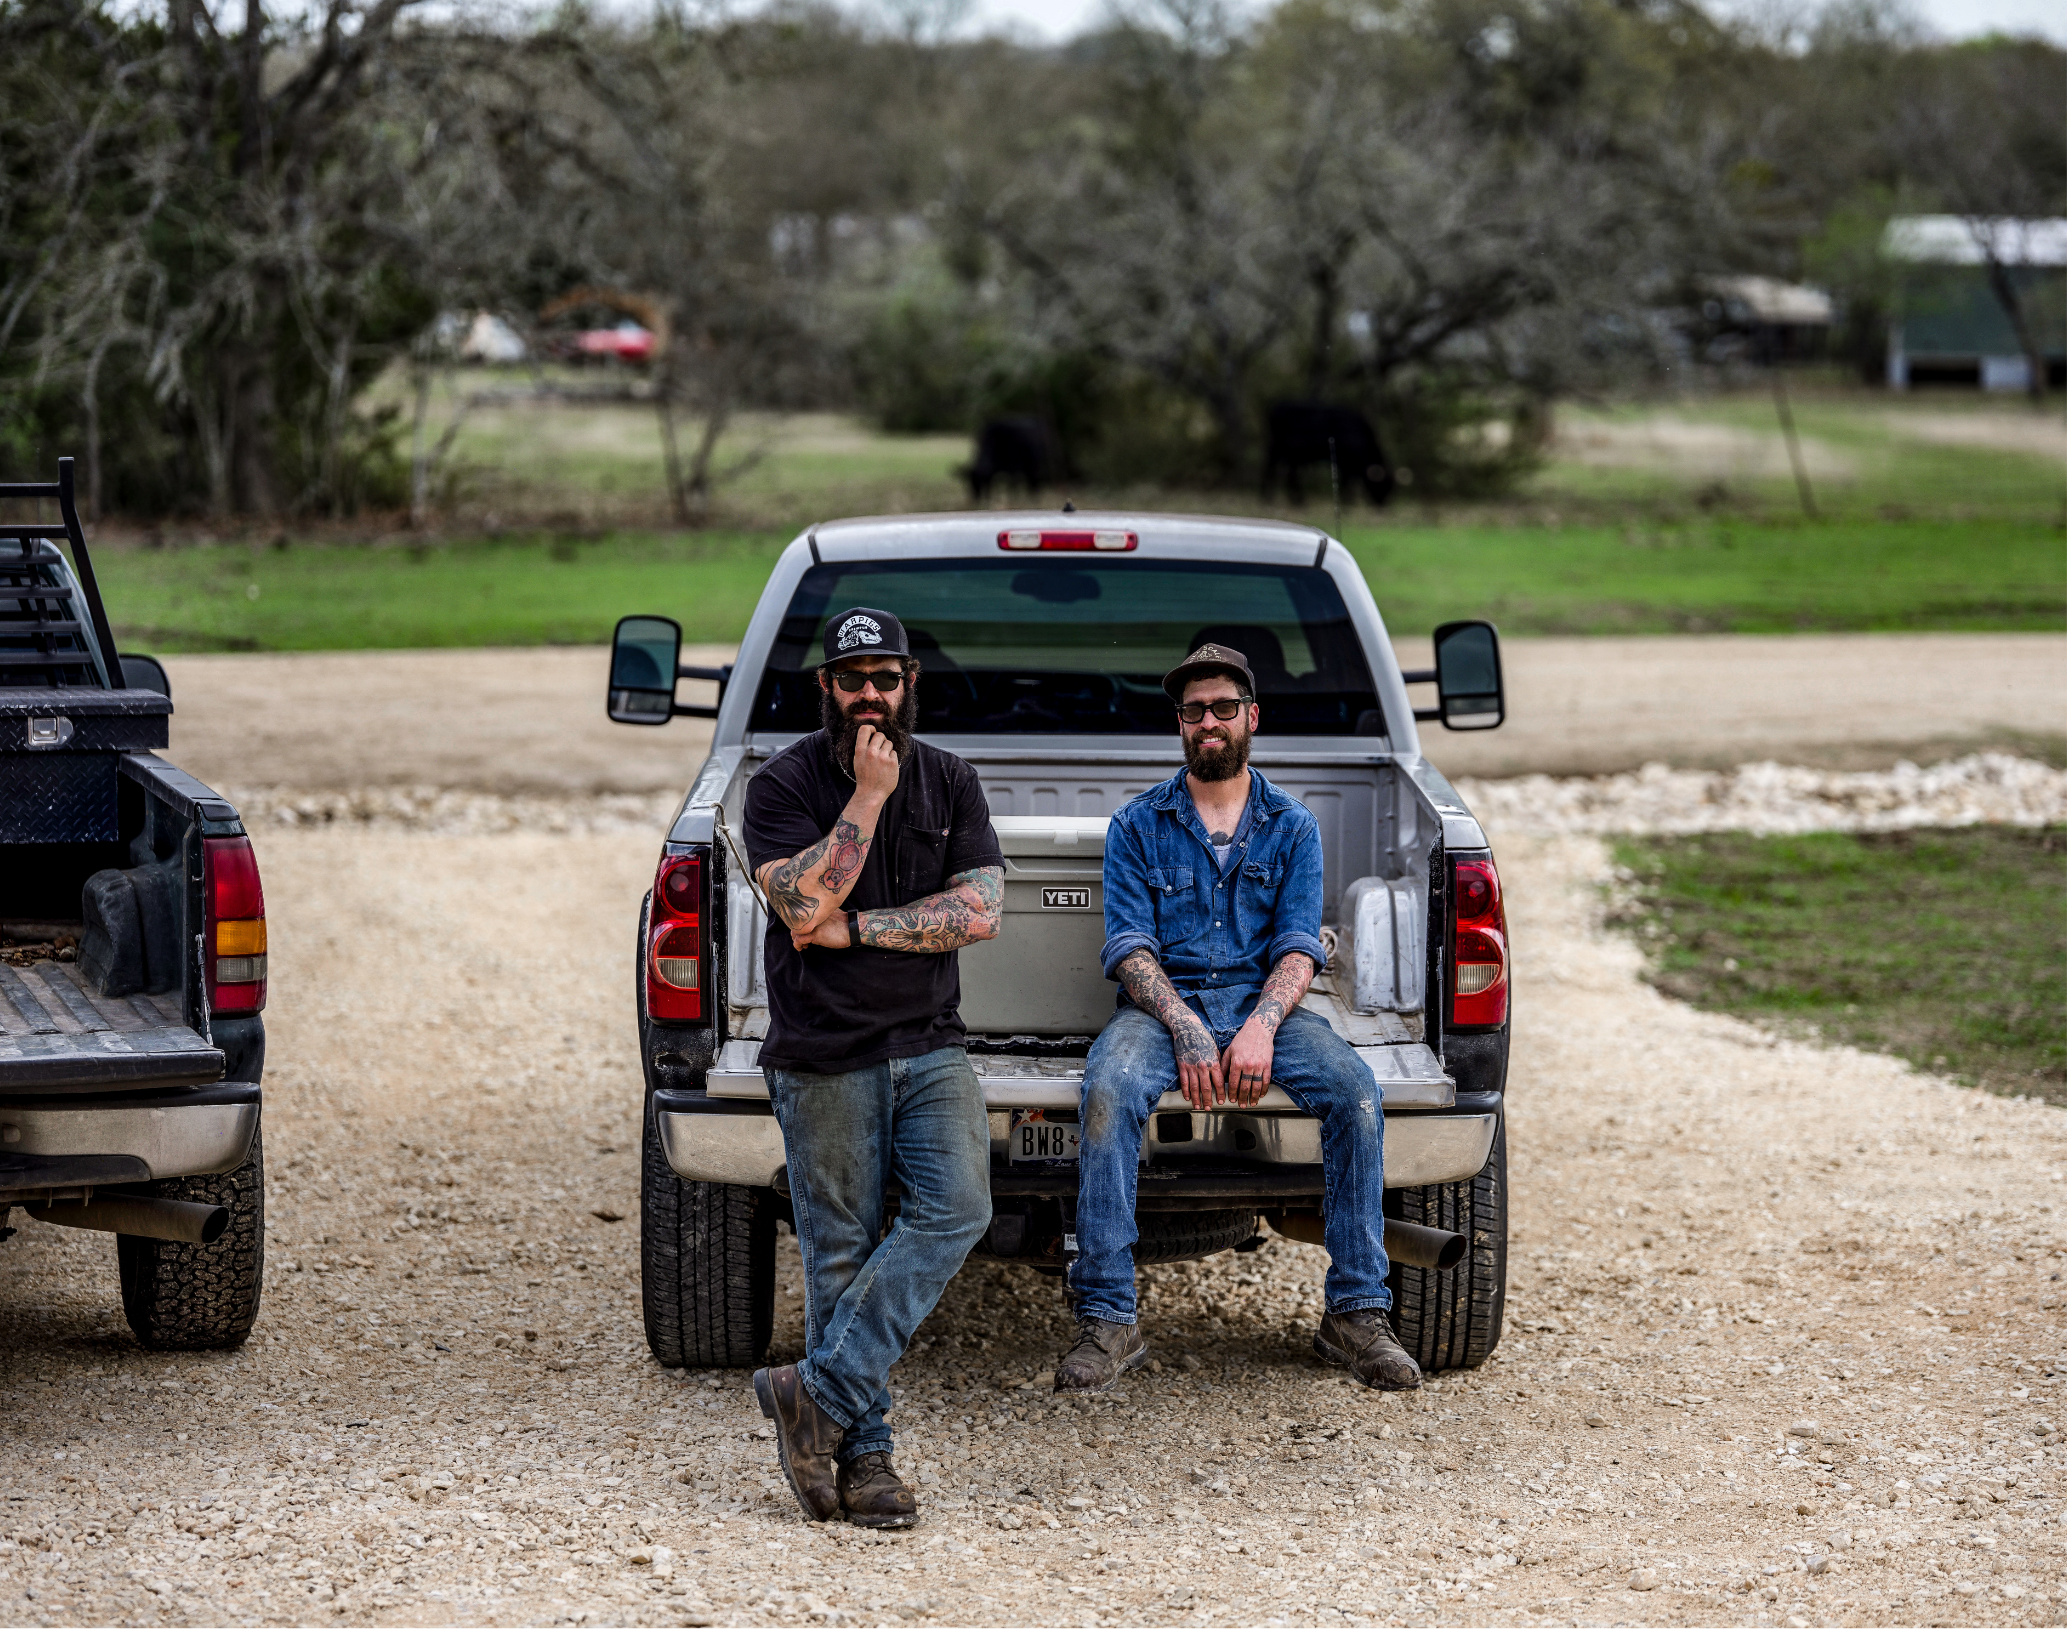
<point x="1040" y="976"/>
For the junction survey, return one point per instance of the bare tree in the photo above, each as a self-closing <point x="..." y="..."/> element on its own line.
<point x="629" y="143"/>
<point x="229" y="225"/>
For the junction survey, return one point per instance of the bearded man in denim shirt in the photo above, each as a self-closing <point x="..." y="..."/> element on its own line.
<point x="1212" y="924"/>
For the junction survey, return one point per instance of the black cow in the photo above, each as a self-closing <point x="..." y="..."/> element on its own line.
<point x="1019" y="447"/>
<point x="1307" y="433"/>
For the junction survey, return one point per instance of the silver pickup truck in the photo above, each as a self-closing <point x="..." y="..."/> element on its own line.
<point x="1043" y="638"/>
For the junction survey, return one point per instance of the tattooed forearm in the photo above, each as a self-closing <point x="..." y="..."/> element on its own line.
<point x="1283" y="990"/>
<point x="1143" y="978"/>
<point x="970" y="909"/>
<point x="849" y="849"/>
<point x="806" y="888"/>
<point x="784" y="881"/>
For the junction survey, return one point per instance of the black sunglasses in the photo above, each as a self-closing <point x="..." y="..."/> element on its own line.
<point x="885" y="683"/>
<point x="1194" y="712"/>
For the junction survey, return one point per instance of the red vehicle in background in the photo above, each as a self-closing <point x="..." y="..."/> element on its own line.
<point x="627" y="342"/>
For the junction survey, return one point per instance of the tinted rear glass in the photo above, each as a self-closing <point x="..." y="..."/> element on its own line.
<point x="1079" y="646"/>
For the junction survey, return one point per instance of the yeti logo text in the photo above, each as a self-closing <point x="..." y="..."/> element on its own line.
<point x="860" y="631"/>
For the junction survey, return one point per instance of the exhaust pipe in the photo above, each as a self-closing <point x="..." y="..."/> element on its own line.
<point x="1412" y="1245"/>
<point x="179" y="1220"/>
<point x="1408" y="1243"/>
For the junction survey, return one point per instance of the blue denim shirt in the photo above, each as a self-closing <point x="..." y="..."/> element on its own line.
<point x="1217" y="937"/>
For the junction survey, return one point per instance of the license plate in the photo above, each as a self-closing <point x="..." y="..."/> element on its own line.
<point x="1037" y="1140"/>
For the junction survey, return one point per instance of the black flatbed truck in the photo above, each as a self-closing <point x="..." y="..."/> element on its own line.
<point x="132" y="957"/>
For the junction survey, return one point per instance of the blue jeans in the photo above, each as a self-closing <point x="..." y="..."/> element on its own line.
<point x="920" y="1120"/>
<point x="1132" y="1064"/>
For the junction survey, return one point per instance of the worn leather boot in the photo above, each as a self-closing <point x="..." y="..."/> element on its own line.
<point x="805" y="1436"/>
<point x="874" y="1495"/>
<point x="1364" y="1342"/>
<point x="1102" y="1353"/>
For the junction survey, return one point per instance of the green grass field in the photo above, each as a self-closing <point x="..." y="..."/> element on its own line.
<point x="1940" y="513"/>
<point x="1948" y="948"/>
<point x="1718" y="576"/>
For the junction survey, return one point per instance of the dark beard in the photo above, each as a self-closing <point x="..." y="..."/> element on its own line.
<point x="1223" y="764"/>
<point x="841" y="728"/>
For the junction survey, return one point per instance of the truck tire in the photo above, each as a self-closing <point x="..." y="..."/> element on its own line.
<point x="1189" y="1235"/>
<point x="1452" y="1320"/>
<point x="706" y="1267"/>
<point x="200" y="1297"/>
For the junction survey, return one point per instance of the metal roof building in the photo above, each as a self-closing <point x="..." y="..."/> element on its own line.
<point x="1951" y="325"/>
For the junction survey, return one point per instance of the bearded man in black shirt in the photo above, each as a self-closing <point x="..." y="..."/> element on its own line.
<point x="878" y="860"/>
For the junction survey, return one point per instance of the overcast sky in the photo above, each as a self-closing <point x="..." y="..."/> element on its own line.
<point x="1956" y="19"/>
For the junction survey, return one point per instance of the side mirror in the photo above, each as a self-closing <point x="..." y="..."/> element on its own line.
<point x="1467" y="676"/>
<point x="144" y="673"/>
<point x="644" y="654"/>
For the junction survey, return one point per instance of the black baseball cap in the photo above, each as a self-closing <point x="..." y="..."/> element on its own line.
<point x="1205" y="660"/>
<point x="861" y="631"/>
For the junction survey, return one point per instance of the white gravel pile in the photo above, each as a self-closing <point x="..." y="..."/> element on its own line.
<point x="1982" y="789"/>
<point x="450" y="813"/>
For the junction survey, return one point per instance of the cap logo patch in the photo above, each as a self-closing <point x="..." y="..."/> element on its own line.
<point x="857" y="631"/>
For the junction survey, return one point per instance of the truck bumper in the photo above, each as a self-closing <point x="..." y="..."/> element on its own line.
<point x="52" y="1144"/>
<point x="1252" y="1153"/>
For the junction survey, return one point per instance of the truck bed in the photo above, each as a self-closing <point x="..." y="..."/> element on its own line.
<point x="57" y="1035"/>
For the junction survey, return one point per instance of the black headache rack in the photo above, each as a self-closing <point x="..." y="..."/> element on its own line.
<point x="48" y="640"/>
<point x="69" y="709"/>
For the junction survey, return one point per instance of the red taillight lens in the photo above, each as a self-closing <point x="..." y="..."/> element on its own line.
<point x="1478" y="892"/>
<point x="675" y="949"/>
<point x="1104" y="542"/>
<point x="235" y="942"/>
<point x="1479" y="980"/>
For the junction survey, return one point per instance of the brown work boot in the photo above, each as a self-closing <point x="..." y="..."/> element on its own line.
<point x="874" y="1495"/>
<point x="1364" y="1342"/>
<point x="805" y="1436"/>
<point x="1102" y="1353"/>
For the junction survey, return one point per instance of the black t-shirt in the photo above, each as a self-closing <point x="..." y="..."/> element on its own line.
<point x="833" y="1010"/>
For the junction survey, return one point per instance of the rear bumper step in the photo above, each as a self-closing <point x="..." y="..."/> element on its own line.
<point x="716" y="1140"/>
<point x="54" y="1147"/>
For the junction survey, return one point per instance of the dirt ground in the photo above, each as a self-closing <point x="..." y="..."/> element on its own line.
<point x="1785" y="1340"/>
<point x="531" y="721"/>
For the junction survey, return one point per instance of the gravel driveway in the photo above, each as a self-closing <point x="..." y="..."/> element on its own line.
<point x="1785" y="1341"/>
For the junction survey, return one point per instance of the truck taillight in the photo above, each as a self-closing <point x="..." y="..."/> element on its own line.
<point x="235" y="931"/>
<point x="675" y="948"/>
<point x="1479" y="978"/>
<point x="1104" y="542"/>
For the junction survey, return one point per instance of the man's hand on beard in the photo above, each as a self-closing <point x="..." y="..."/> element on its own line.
<point x="875" y="764"/>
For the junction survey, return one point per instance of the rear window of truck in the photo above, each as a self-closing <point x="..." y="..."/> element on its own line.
<point x="1079" y="646"/>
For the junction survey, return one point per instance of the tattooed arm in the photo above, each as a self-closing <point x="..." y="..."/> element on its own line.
<point x="1248" y="1056"/>
<point x="810" y="889"/>
<point x="1199" y="1074"/>
<point x="971" y="908"/>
